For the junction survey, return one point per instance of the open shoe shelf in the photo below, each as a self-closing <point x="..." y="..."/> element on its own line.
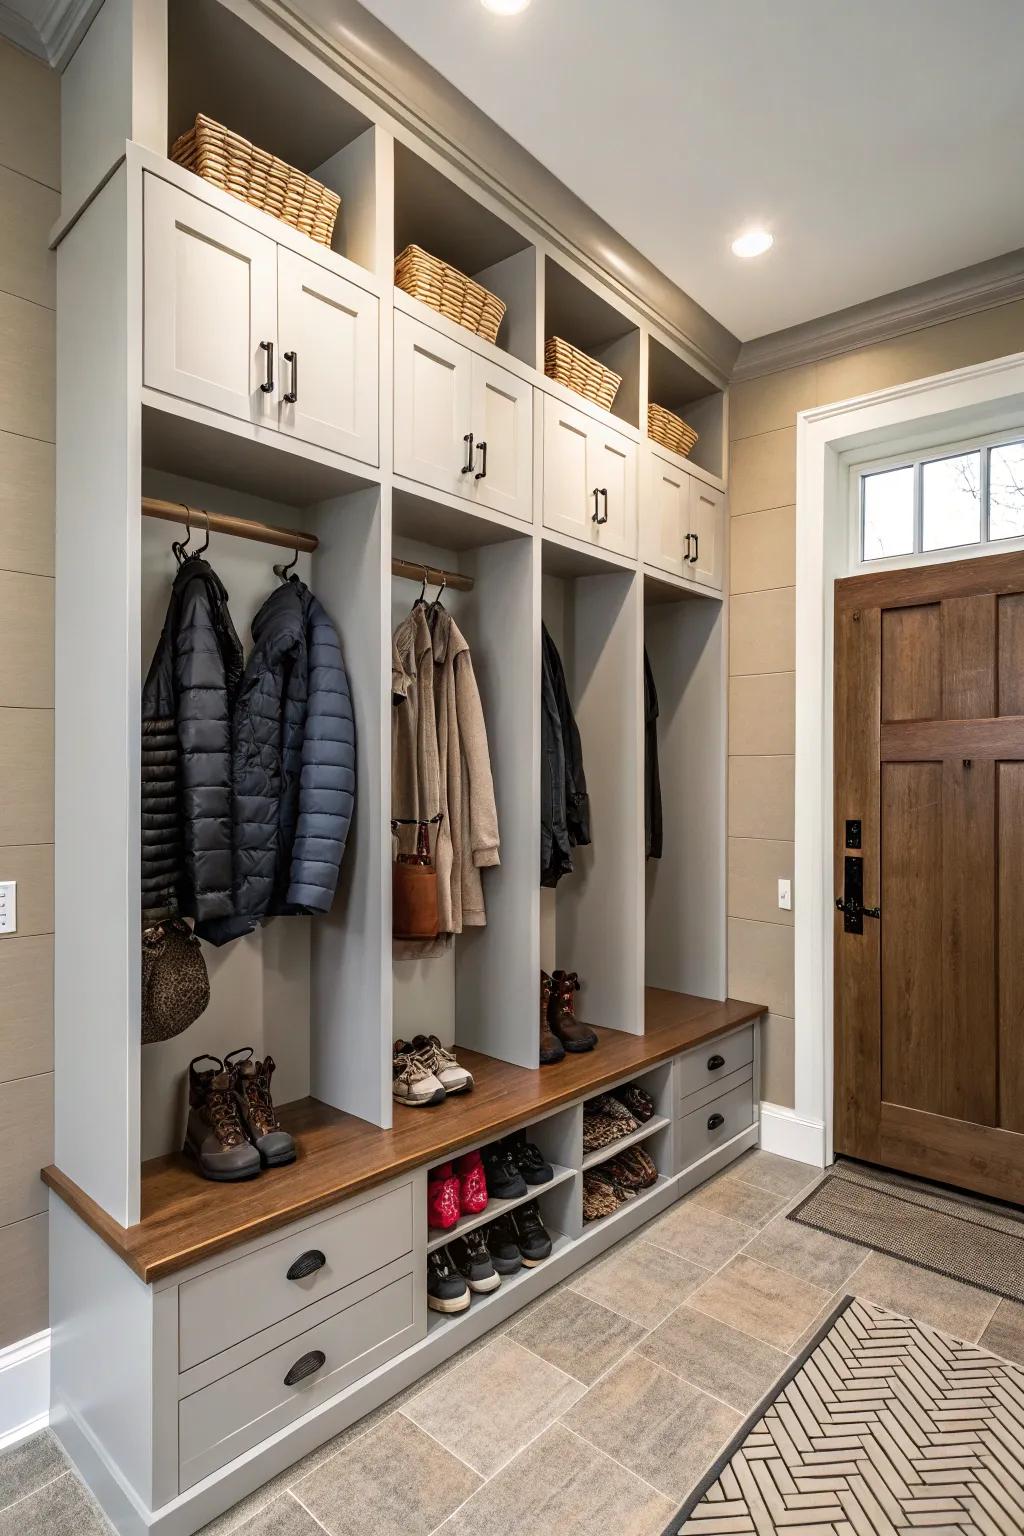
<point x="602" y="1154"/>
<point x="445" y="1323"/>
<point x="496" y="1208"/>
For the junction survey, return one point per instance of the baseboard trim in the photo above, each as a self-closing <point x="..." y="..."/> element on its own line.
<point x="24" y="1388"/>
<point x="791" y="1135"/>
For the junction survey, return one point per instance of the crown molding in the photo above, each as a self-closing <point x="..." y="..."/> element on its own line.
<point x="985" y="285"/>
<point x="49" y="29"/>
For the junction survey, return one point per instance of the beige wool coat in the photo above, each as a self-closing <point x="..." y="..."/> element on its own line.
<point x="440" y="763"/>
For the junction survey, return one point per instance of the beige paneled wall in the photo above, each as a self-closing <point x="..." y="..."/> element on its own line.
<point x="29" y="166"/>
<point x="762" y="495"/>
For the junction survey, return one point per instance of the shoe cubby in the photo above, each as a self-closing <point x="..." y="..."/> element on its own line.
<point x="658" y="1085"/>
<point x="461" y="228"/>
<point x="682" y="389"/>
<point x="590" y="921"/>
<point x="586" y="320"/>
<point x="684" y="946"/>
<point x="233" y="73"/>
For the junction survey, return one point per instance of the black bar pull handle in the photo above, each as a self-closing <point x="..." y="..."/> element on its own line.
<point x="696" y="549"/>
<point x="268" y="384"/>
<point x="714" y="1062"/>
<point x="293" y="393"/>
<point x="307" y="1264"/>
<point x="605" y="495"/>
<point x="689" y="536"/>
<point x="596" y="515"/>
<point x="714" y="1121"/>
<point x="307" y="1365"/>
<point x="481" y="473"/>
<point x="467" y="468"/>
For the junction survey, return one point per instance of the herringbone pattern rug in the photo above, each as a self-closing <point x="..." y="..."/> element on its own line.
<point x="886" y="1427"/>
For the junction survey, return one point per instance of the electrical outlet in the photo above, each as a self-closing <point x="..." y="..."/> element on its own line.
<point x="785" y="896"/>
<point x="8" y="906"/>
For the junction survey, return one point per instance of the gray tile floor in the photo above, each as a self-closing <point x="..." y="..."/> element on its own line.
<point x="596" y="1408"/>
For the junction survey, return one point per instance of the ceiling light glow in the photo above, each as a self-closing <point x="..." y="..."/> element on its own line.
<point x="753" y="243"/>
<point x="505" y="7"/>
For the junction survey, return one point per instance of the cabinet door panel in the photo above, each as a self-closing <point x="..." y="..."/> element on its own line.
<point x="666" y="518"/>
<point x="568" y="487"/>
<point x="707" y="516"/>
<point x="433" y="406"/>
<point x="612" y="461"/>
<point x="503" y="419"/>
<point x="330" y="326"/>
<point x="210" y="300"/>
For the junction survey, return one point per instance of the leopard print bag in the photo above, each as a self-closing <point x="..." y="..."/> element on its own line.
<point x="175" y="983"/>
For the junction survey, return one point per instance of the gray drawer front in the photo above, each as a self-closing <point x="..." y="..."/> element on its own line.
<point x="693" y="1072"/>
<point x="220" y="1422"/>
<point x="695" y="1138"/>
<point x="246" y="1295"/>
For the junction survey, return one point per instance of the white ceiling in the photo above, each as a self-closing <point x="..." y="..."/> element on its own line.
<point x="879" y="140"/>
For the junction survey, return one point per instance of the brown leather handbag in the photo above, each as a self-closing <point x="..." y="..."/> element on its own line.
<point x="414" y="913"/>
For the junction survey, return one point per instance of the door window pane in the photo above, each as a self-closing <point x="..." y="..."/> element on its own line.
<point x="1006" y="491"/>
<point x="889" y="513"/>
<point x="951" y="495"/>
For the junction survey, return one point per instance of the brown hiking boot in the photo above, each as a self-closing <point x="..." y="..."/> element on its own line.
<point x="215" y="1135"/>
<point x="562" y="1013"/>
<point x="551" y="1048"/>
<point x="251" y="1080"/>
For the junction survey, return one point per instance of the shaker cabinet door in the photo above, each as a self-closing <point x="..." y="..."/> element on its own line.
<point x="707" y="525"/>
<point x="328" y="389"/>
<point x="666" y="518"/>
<point x="503" y="440"/>
<point x="210" y="308"/>
<point x="569" y="500"/>
<point x="612" y="466"/>
<point x="433" y="407"/>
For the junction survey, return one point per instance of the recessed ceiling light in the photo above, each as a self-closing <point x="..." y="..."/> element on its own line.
<point x="505" y="7"/>
<point x="754" y="243"/>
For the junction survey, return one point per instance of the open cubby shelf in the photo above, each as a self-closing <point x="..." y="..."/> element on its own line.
<point x="439" y="1323"/>
<point x="580" y="316"/>
<point x="628" y="1209"/>
<point x="649" y="1128"/>
<point x="496" y="1208"/>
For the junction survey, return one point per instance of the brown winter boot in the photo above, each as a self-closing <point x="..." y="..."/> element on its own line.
<point x="551" y="1048"/>
<point x="215" y="1135"/>
<point x="251" y="1081"/>
<point x="562" y="1013"/>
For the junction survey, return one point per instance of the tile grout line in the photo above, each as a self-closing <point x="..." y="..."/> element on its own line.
<point x="620" y="1464"/>
<point x="70" y="1472"/>
<point x="290" y="1494"/>
<point x="468" y="1465"/>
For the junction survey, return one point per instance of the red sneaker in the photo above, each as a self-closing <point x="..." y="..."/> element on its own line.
<point x="442" y="1197"/>
<point x="472" y="1184"/>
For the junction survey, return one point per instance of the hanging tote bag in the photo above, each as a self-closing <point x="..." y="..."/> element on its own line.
<point x="175" y="982"/>
<point x="414" y="909"/>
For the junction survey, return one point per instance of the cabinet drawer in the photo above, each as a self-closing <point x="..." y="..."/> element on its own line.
<point x="711" y="1062"/>
<point x="703" y="1129"/>
<point x="246" y="1295"/>
<point x="235" y="1413"/>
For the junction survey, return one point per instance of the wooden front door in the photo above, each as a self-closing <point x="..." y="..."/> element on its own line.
<point x="929" y="866"/>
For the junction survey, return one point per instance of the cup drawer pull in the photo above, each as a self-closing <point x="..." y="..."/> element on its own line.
<point x="714" y="1062"/>
<point x="307" y="1264"/>
<point x="714" y="1121"/>
<point x="308" y="1365"/>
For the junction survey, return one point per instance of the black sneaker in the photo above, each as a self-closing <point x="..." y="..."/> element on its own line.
<point x="503" y="1246"/>
<point x="534" y="1242"/>
<point x="447" y="1291"/>
<point x="472" y="1259"/>
<point x="529" y="1159"/>
<point x="504" y="1181"/>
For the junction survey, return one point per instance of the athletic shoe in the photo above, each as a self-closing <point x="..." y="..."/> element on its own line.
<point x="529" y="1159"/>
<point x="504" y="1181"/>
<point x="472" y="1259"/>
<point x="438" y="1059"/>
<point x="411" y="1082"/>
<point x="447" y="1291"/>
<point x="534" y="1241"/>
<point x="502" y="1241"/>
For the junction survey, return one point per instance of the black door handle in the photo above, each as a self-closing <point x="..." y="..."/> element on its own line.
<point x="696" y="548"/>
<point x="293" y="393"/>
<point x="481" y="473"/>
<point x="714" y="1062"/>
<point x="268" y="384"/>
<point x="467" y="468"/>
<point x="308" y="1365"/>
<point x="307" y="1264"/>
<point x="714" y="1121"/>
<point x="851" y="902"/>
<point x="605" y="495"/>
<point x="597" y="517"/>
<point x="689" y="536"/>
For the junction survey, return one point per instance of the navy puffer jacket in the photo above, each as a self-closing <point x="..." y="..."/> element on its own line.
<point x="294" y="768"/>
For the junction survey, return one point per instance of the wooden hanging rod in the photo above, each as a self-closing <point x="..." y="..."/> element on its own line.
<point x="221" y="522"/>
<point x="433" y="574"/>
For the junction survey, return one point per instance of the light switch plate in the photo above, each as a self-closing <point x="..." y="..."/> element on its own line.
<point x="8" y="906"/>
<point x="785" y="896"/>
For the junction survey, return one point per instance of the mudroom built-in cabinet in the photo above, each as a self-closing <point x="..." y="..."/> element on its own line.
<point x="223" y="377"/>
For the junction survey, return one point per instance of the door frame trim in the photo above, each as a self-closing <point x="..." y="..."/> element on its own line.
<point x="830" y="441"/>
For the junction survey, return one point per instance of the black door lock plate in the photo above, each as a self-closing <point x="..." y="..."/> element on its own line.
<point x="853" y="834"/>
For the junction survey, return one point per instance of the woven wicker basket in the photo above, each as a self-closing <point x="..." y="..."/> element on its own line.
<point x="670" y="430"/>
<point x="449" y="291"/>
<point x="573" y="368"/>
<point x="258" y="178"/>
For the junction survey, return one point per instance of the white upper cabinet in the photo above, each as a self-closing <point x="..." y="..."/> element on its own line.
<point x="328" y="388"/>
<point x="707" y="534"/>
<point x="462" y="424"/>
<point x="589" y="479"/>
<point x="683" y="524"/>
<point x="210" y="306"/>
